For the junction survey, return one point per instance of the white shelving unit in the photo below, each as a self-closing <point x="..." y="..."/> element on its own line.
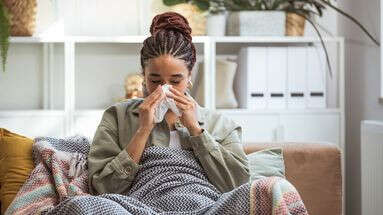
<point x="326" y="125"/>
<point x="307" y="125"/>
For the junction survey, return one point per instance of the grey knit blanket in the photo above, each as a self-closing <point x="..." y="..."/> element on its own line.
<point x="170" y="181"/>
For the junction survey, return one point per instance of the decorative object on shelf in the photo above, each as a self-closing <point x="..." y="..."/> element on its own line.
<point x="255" y="18"/>
<point x="256" y="23"/>
<point x="295" y="25"/>
<point x="216" y="24"/>
<point x="204" y="16"/>
<point x="216" y="19"/>
<point x="224" y="93"/>
<point x="17" y="18"/>
<point x="193" y="11"/>
<point x="133" y="87"/>
<point x="309" y="9"/>
<point x="314" y="8"/>
<point x="22" y="16"/>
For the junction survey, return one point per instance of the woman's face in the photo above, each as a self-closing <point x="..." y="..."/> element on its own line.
<point x="166" y="69"/>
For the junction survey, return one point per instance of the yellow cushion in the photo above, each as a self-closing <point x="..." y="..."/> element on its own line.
<point x="15" y="165"/>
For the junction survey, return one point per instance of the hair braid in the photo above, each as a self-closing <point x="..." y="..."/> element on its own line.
<point x="171" y="34"/>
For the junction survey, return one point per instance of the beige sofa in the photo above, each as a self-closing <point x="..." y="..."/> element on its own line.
<point x="315" y="170"/>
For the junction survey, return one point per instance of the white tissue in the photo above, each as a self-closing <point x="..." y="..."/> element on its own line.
<point x="164" y="105"/>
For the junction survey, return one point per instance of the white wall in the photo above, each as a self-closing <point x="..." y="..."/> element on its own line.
<point x="362" y="87"/>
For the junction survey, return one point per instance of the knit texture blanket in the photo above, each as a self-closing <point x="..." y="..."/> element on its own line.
<point x="170" y="181"/>
<point x="60" y="172"/>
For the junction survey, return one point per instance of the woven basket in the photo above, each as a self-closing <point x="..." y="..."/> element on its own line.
<point x="195" y="17"/>
<point x="22" y="15"/>
<point x="295" y="25"/>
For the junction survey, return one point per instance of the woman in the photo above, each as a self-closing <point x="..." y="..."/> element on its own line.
<point x="127" y="128"/>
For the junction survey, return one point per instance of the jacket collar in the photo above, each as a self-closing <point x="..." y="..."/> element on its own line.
<point x="200" y="112"/>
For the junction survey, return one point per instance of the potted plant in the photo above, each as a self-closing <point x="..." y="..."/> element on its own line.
<point x="255" y="17"/>
<point x="211" y="15"/>
<point x="17" y="18"/>
<point x="193" y="10"/>
<point x="216" y="18"/>
<point x="298" y="10"/>
<point x="309" y="9"/>
<point x="5" y="27"/>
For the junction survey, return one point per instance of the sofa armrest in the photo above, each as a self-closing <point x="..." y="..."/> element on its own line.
<point x="315" y="170"/>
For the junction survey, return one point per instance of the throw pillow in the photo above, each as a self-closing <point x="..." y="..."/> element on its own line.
<point x="15" y="165"/>
<point x="266" y="163"/>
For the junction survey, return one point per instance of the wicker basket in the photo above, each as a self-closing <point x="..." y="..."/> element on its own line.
<point x="195" y="17"/>
<point x="295" y="25"/>
<point x="22" y="15"/>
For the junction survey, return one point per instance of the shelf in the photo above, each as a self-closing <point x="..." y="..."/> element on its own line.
<point x="249" y="39"/>
<point x="196" y="39"/>
<point x="123" y="39"/>
<point x="76" y="54"/>
<point x="280" y="111"/>
<point x="91" y="39"/>
<point x="23" y="113"/>
<point x="33" y="39"/>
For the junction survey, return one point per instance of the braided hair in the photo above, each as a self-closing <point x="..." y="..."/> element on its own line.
<point x="170" y="34"/>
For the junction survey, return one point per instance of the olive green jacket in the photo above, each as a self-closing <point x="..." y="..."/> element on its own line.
<point x="218" y="148"/>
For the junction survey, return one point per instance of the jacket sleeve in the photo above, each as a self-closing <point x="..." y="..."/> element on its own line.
<point x="111" y="169"/>
<point x="225" y="162"/>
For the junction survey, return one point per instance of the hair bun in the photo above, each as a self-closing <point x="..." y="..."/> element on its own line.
<point x="171" y="21"/>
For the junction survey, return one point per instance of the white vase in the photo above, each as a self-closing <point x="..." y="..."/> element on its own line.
<point x="216" y="24"/>
<point x="256" y="23"/>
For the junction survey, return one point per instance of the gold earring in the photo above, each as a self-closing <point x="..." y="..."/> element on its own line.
<point x="144" y="89"/>
<point x="190" y="84"/>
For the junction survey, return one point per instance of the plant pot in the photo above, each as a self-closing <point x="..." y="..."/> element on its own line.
<point x="295" y="25"/>
<point x="256" y="23"/>
<point x="22" y="16"/>
<point x="195" y="17"/>
<point x="216" y="25"/>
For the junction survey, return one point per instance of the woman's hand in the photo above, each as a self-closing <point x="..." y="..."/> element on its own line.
<point x="148" y="107"/>
<point x="188" y="107"/>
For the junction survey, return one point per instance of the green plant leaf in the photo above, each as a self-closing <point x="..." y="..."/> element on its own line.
<point x="5" y="28"/>
<point x="277" y="4"/>
<point x="323" y="44"/>
<point x="319" y="7"/>
<point x="353" y="20"/>
<point x="202" y="4"/>
<point x="303" y="11"/>
<point x="173" y="2"/>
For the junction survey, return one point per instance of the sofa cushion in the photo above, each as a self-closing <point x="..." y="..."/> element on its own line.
<point x="315" y="169"/>
<point x="15" y="165"/>
<point x="266" y="163"/>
